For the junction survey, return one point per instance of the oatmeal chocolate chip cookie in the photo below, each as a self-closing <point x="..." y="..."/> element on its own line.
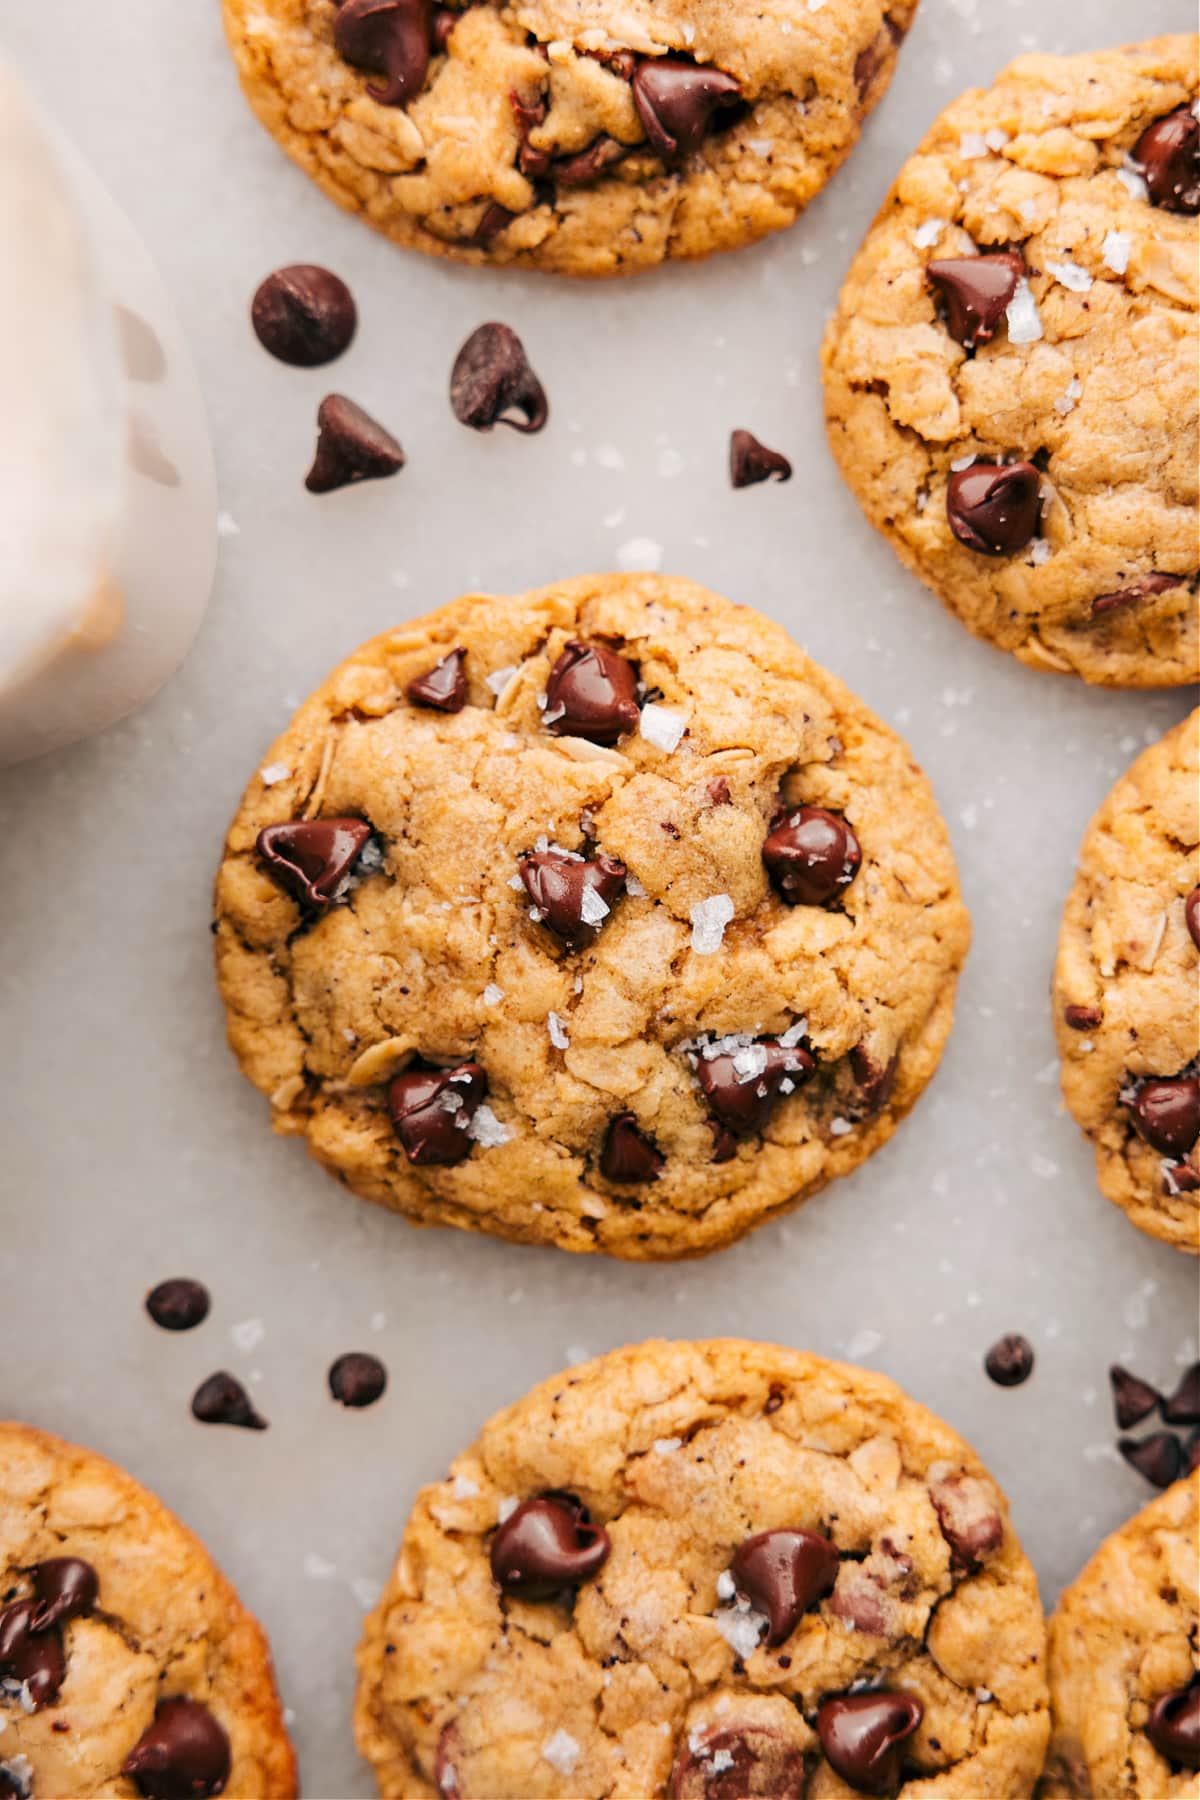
<point x="708" y="1571"/>
<point x="588" y="137"/>
<point x="1010" y="376"/>
<point x="1126" y="987"/>
<point x="598" y="917"/>
<point x="127" y="1665"/>
<point x="1125" y="1663"/>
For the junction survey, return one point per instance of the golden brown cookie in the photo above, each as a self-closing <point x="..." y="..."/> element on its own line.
<point x="127" y="1664"/>
<point x="1127" y="990"/>
<point x="589" y="137"/>
<point x="1010" y="375"/>
<point x="599" y="917"/>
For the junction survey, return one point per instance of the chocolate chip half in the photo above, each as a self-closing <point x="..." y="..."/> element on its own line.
<point x="178" y="1304"/>
<point x="994" y="508"/>
<point x="738" y="1762"/>
<point x="1166" y="1113"/>
<point x="1009" y="1362"/>
<point x="628" y="1154"/>
<point x="549" y="1543"/>
<point x="357" y="1379"/>
<point x="1133" y="1398"/>
<point x="222" y="1400"/>
<point x="35" y="1659"/>
<point x="1081" y="1018"/>
<point x="1157" y="1457"/>
<point x="571" y="897"/>
<point x="1168" y="154"/>
<point x="444" y="687"/>
<point x="313" y="859"/>
<point x="679" y="102"/>
<point x="811" y="856"/>
<point x="591" y="693"/>
<point x="67" y="1587"/>
<point x="976" y="291"/>
<point x="742" y="1087"/>
<point x="1174" y="1726"/>
<point x="1183" y="1406"/>
<point x="351" y="447"/>
<point x="392" y="38"/>
<point x="304" y="315"/>
<point x="874" y="1079"/>
<point x="783" y="1574"/>
<point x="492" y="221"/>
<point x="432" y="1109"/>
<point x="491" y="380"/>
<point x="863" y="1736"/>
<point x="1191" y="913"/>
<point x="967" y="1513"/>
<point x="587" y="166"/>
<point x="751" y="462"/>
<point x="1137" y="590"/>
<point x="183" y="1755"/>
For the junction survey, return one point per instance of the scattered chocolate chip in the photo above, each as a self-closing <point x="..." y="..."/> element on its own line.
<point x="1166" y="1113"/>
<point x="357" y="1379"/>
<point x="751" y="462"/>
<point x="549" y="1543"/>
<point x="432" y="1109"/>
<point x="1009" y="1362"/>
<point x="351" y="447"/>
<point x="571" y="897"/>
<point x="724" y="1144"/>
<point x="587" y="166"/>
<point x="1168" y="154"/>
<point x="34" y="1659"/>
<point x="183" y="1755"/>
<point x="741" y="1087"/>
<point x="1183" y="1406"/>
<point x="443" y="687"/>
<point x="492" y="221"/>
<point x="179" y="1304"/>
<point x="863" y="1736"/>
<point x="1158" y="1457"/>
<point x="67" y="1587"/>
<point x="628" y="1154"/>
<point x="222" y="1400"/>
<point x="738" y="1762"/>
<point x="1133" y="1398"/>
<point x="811" y="855"/>
<point x="967" y="1513"/>
<point x="1081" y="1018"/>
<point x="718" y="794"/>
<point x="976" y="291"/>
<point x="994" y="508"/>
<point x="873" y="1079"/>
<point x="591" y="693"/>
<point x="392" y="38"/>
<point x="867" y="65"/>
<point x="1137" y="590"/>
<point x="1174" y="1726"/>
<point x="304" y="315"/>
<point x="313" y="859"/>
<point x="783" y="1574"/>
<point x="1191" y="913"/>
<point x="679" y="102"/>
<point x="491" y="379"/>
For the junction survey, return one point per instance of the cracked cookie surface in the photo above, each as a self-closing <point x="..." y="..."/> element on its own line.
<point x="661" y="1677"/>
<point x="652" y="1073"/>
<point x="1125" y="990"/>
<point x="1084" y="370"/>
<point x="524" y="141"/>
<point x="154" y="1625"/>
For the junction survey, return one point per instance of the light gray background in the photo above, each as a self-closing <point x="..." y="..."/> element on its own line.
<point x="132" y="1149"/>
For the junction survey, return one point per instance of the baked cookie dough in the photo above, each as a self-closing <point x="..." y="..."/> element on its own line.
<point x="1010" y="375"/>
<point x="1125" y="1663"/>
<point x="598" y="917"/>
<point x="1127" y="990"/>
<point x="588" y="137"/>
<point x="127" y="1664"/>
<point x="704" y="1571"/>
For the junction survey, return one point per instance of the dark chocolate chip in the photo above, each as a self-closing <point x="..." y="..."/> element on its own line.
<point x="811" y="856"/>
<point x="444" y="21"/>
<point x="313" y="859"/>
<point x="1137" y="590"/>
<point x="36" y="1659"/>
<point x="357" y="1379"/>
<point x="994" y="508"/>
<point x="443" y="687"/>
<point x="724" y="1144"/>
<point x="571" y="897"/>
<point x="351" y="447"/>
<point x="679" y="103"/>
<point x="1158" y="1457"/>
<point x="491" y="380"/>
<point x="751" y="462"/>
<point x="222" y="1400"/>
<point x="970" y="1523"/>
<point x="67" y="1587"/>
<point x="304" y="315"/>
<point x="1193" y="1453"/>
<point x="621" y="63"/>
<point x="432" y="1109"/>
<point x="492" y="221"/>
<point x="717" y="791"/>
<point x="742" y="1086"/>
<point x="591" y="693"/>
<point x="587" y="166"/>
<point x="1166" y="1113"/>
<point x="1183" y="1406"/>
<point x="12" y="1787"/>
<point x="549" y="1543"/>
<point x="178" y="1304"/>
<point x="783" y="1574"/>
<point x="183" y="1755"/>
<point x="1168" y="154"/>
<point x="1174" y="1726"/>
<point x="392" y="38"/>
<point x="1081" y="1018"/>
<point x="1133" y="1398"/>
<point x="976" y="291"/>
<point x="873" y="1079"/>
<point x="1181" y="1177"/>
<point x="738" y="1762"/>
<point x="628" y="1154"/>
<point x="1191" y="912"/>
<point x="863" y="1736"/>
<point x="1009" y="1362"/>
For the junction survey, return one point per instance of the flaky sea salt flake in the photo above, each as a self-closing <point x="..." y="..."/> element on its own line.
<point x="1115" y="251"/>
<point x="662" y="726"/>
<point x="562" y="1751"/>
<point x="709" y="919"/>
<point x="1024" y="320"/>
<point x="928" y="233"/>
<point x="1069" y="275"/>
<point x="593" y="907"/>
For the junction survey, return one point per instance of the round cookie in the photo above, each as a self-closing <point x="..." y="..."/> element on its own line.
<point x="585" y="137"/>
<point x="1125" y="1663"/>
<point x="1125" y="990"/>
<point x="662" y="1573"/>
<point x="621" y="926"/>
<point x="1022" y="429"/>
<point x="127" y="1664"/>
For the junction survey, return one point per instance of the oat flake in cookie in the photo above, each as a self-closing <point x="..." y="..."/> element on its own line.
<point x="1127" y="991"/>
<point x="588" y="137"/>
<point x="757" y="1573"/>
<point x="553" y="986"/>
<point x="1010" y="377"/>
<point x="127" y="1664"/>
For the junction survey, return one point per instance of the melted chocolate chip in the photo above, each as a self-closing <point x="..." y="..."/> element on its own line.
<point x="679" y="103"/>
<point x="783" y="1574"/>
<point x="491" y="380"/>
<point x="751" y="462"/>
<point x="717" y="791"/>
<point x="432" y="1109"/>
<point x="549" y="1543"/>
<point x="351" y="447"/>
<point x="1133" y="1398"/>
<point x="1166" y="1113"/>
<point x="183" y="1755"/>
<point x="874" y="1080"/>
<point x="572" y="898"/>
<point x="357" y="1379"/>
<point x="970" y="1523"/>
<point x="738" y="1762"/>
<point x="313" y="859"/>
<point x="1137" y="590"/>
<point x="976" y="291"/>
<point x="724" y="1144"/>
<point x="35" y="1658"/>
<point x="1191" y="913"/>
<point x="811" y="856"/>
<point x="222" y="1400"/>
<point x="863" y="1736"/>
<point x="591" y="693"/>
<point x="1157" y="1457"/>
<point x="443" y="687"/>
<point x="304" y="315"/>
<point x="492" y="221"/>
<point x="178" y="1304"/>
<point x="1081" y="1018"/>
<point x="587" y="166"/>
<point x="1009" y="1362"/>
<point x="1174" y="1726"/>
<point x="1168" y="154"/>
<point x="1193" y="1453"/>
<point x="994" y="508"/>
<point x="67" y="1587"/>
<point x="628" y="1154"/>
<point x="392" y="38"/>
<point x="742" y="1087"/>
<point x="1183" y="1406"/>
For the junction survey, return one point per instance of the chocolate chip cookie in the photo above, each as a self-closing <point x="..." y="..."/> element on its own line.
<point x="598" y="917"/>
<point x="589" y="137"/>
<point x="708" y="1571"/>
<point x="1125" y="1663"/>
<point x="1126" y="987"/>
<point x="1010" y="376"/>
<point x="127" y="1665"/>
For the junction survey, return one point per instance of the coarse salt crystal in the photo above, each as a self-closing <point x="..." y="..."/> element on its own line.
<point x="1115" y="251"/>
<point x="492" y="995"/>
<point x="507" y="1507"/>
<point x="971" y="145"/>
<point x="1066" y="400"/>
<point x="1134" y="183"/>
<point x="840" y="1127"/>
<point x="928" y="233"/>
<point x="1024" y="320"/>
<point x="558" y="1032"/>
<point x="499" y="679"/>
<point x="463" y="1488"/>
<point x="562" y="1751"/>
<point x="741" y="1627"/>
<point x="273" y="772"/>
<point x="593" y="907"/>
<point x="661" y="726"/>
<point x="664" y="1446"/>
<point x="793" y="1034"/>
<point x="633" y="886"/>
<point x="486" y="1130"/>
<point x="1069" y="275"/>
<point x="726" y="1585"/>
<point x="1040" y="553"/>
<point x="995" y="139"/>
<point x="640" y="553"/>
<point x="962" y="462"/>
<point x="248" y="1335"/>
<point x="709" y="919"/>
